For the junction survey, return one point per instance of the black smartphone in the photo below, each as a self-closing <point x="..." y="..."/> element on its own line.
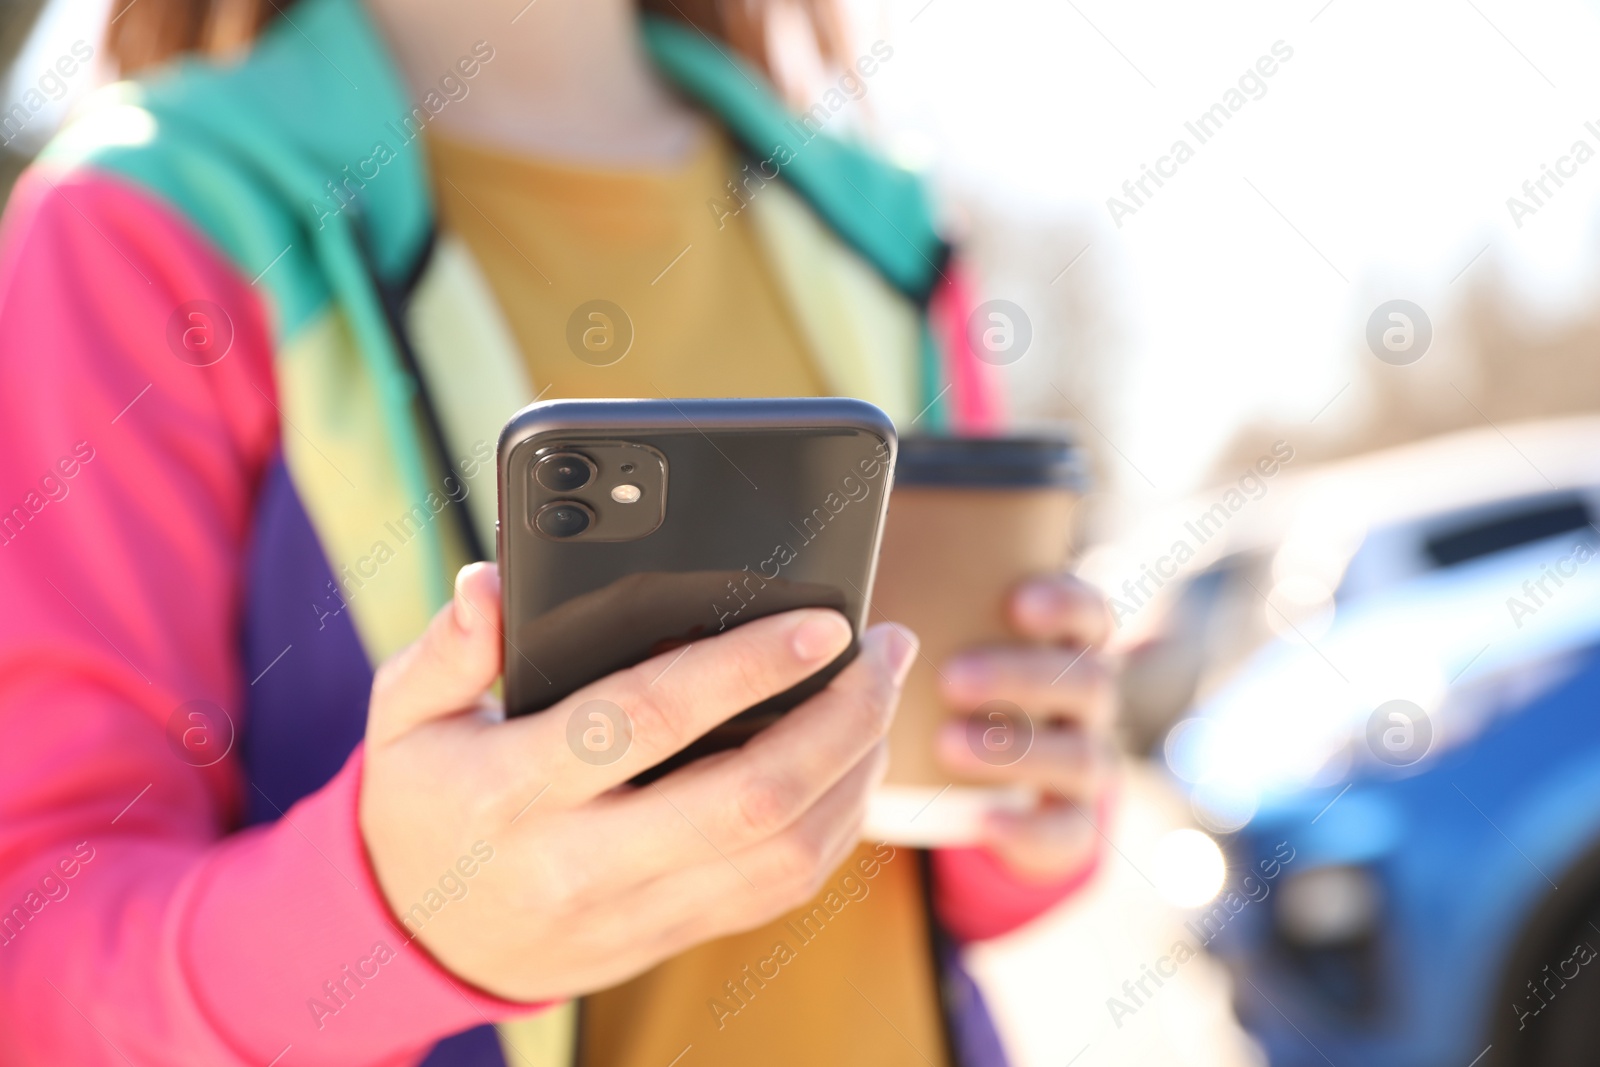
<point x="632" y="527"/>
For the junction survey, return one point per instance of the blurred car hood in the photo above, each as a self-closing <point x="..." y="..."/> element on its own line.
<point x="1297" y="714"/>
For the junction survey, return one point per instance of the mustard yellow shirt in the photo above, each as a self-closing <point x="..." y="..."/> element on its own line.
<point x="625" y="283"/>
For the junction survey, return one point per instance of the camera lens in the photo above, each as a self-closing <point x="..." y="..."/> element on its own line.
<point x="564" y="518"/>
<point x="564" y="472"/>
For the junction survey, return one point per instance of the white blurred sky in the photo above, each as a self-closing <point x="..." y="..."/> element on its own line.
<point x="1391" y="140"/>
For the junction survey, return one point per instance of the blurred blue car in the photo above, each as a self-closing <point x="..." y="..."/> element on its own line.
<point x="1432" y="758"/>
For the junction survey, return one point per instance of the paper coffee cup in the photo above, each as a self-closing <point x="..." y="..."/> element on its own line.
<point x="969" y="519"/>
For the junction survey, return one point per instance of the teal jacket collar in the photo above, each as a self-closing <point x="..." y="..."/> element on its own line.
<point x="879" y="210"/>
<point x="319" y="91"/>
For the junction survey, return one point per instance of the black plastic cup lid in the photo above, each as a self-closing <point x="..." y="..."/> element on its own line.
<point x="1040" y="461"/>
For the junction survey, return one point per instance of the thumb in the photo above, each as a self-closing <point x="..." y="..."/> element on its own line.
<point x="446" y="670"/>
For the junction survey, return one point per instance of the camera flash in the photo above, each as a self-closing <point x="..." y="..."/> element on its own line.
<point x="625" y="494"/>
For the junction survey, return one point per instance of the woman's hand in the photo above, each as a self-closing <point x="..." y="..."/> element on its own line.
<point x="1056" y="681"/>
<point x="517" y="855"/>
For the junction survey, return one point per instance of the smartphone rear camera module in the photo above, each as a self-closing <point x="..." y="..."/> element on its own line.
<point x="579" y="489"/>
<point x="564" y="472"/>
<point x="563" y="519"/>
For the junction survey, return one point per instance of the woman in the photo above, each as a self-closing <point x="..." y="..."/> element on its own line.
<point x="270" y="308"/>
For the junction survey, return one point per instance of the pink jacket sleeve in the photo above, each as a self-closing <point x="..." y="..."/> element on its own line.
<point x="978" y="897"/>
<point x="134" y="926"/>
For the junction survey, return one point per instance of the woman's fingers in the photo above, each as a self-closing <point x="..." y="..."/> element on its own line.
<point x="1061" y="760"/>
<point x="1060" y="608"/>
<point x="607" y="732"/>
<point x="606" y="929"/>
<point x="740" y="890"/>
<point x="1048" y="682"/>
<point x="1040" y="714"/>
<point x="446" y="670"/>
<point x="736" y="800"/>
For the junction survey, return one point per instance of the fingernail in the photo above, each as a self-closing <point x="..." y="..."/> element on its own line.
<point x="901" y="652"/>
<point x="966" y="674"/>
<point x="463" y="611"/>
<point x="1038" y="602"/>
<point x="823" y="635"/>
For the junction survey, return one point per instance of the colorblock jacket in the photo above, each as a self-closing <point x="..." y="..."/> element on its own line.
<point x="248" y="396"/>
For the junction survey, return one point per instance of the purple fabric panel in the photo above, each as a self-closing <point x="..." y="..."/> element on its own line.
<point x="306" y="707"/>
<point x="478" y="1047"/>
<point x="972" y="1031"/>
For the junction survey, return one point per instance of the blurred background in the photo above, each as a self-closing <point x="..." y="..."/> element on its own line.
<point x="1315" y="284"/>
